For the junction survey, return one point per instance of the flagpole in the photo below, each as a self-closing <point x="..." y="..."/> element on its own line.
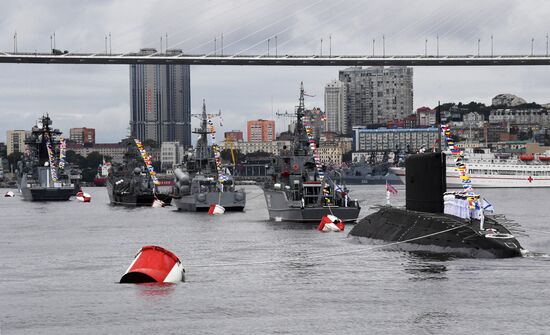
<point x="388" y="203"/>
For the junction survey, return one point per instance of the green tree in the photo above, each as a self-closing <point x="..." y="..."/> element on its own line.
<point x="13" y="158"/>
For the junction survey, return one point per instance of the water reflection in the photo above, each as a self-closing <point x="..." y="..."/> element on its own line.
<point x="427" y="266"/>
<point x="154" y="290"/>
<point x="433" y="322"/>
<point x="286" y="225"/>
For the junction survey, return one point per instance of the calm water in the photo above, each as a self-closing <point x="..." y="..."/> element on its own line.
<point x="61" y="262"/>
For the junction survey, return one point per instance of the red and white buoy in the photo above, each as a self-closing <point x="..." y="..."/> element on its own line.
<point x="216" y="209"/>
<point x="330" y="223"/>
<point x="154" y="264"/>
<point x="83" y="197"/>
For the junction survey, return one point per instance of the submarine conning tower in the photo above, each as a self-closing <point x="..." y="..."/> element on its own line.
<point x="425" y="182"/>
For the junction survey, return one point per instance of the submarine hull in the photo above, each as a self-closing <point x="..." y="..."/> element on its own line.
<point x="438" y="232"/>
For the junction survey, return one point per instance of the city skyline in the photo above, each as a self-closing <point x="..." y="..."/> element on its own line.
<point x="98" y="96"/>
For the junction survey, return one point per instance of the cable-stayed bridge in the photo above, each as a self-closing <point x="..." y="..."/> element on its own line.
<point x="272" y="60"/>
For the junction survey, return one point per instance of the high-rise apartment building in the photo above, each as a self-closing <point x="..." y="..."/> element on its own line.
<point x="160" y="101"/>
<point x="84" y="136"/>
<point x="15" y="140"/>
<point x="377" y="94"/>
<point x="261" y="130"/>
<point x="335" y="107"/>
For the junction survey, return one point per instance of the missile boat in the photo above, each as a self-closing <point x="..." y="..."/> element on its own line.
<point x="201" y="180"/>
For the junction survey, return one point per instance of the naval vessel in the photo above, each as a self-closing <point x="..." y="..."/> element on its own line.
<point x="134" y="182"/>
<point x="438" y="221"/>
<point x="42" y="173"/>
<point x="299" y="190"/>
<point x="202" y="180"/>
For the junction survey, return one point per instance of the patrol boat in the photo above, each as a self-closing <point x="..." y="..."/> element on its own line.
<point x="43" y="174"/>
<point x="202" y="180"/>
<point x="439" y="221"/>
<point x="299" y="191"/>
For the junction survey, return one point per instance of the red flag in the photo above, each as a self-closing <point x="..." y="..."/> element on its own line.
<point x="390" y="188"/>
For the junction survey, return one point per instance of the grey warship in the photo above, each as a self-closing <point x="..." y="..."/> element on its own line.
<point x="43" y="174"/>
<point x="298" y="190"/>
<point x="201" y="180"/>
<point x="438" y="221"/>
<point x="131" y="184"/>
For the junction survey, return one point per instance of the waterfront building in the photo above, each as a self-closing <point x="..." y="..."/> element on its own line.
<point x="84" y="136"/>
<point x="335" y="107"/>
<point x="375" y="95"/>
<point x="270" y="147"/>
<point x="384" y="139"/>
<point x="260" y="130"/>
<point x="15" y="140"/>
<point x="160" y="101"/>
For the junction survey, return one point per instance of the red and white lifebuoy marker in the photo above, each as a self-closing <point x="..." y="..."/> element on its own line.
<point x="154" y="264"/>
<point x="330" y="223"/>
<point x="216" y="209"/>
<point x="83" y="197"/>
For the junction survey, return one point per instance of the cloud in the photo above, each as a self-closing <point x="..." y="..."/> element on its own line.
<point x="98" y="95"/>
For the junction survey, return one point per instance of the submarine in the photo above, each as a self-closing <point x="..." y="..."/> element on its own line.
<point x="437" y="221"/>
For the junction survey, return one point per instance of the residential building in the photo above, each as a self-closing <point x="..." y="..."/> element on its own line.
<point x="261" y="130"/>
<point x="383" y="139"/>
<point x="171" y="153"/>
<point x="520" y="116"/>
<point x="330" y="154"/>
<point x="15" y="140"/>
<point x="335" y="107"/>
<point x="425" y="117"/>
<point x="84" y="136"/>
<point x="375" y="95"/>
<point x="160" y="101"/>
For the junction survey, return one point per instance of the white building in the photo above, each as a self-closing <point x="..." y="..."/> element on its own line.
<point x="272" y="147"/>
<point x="383" y="139"/>
<point x="335" y="107"/>
<point x="520" y="116"/>
<point x="171" y="153"/>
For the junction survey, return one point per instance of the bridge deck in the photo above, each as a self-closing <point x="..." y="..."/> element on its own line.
<point x="280" y="60"/>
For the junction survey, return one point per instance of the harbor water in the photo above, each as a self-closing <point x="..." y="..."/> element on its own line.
<point x="61" y="262"/>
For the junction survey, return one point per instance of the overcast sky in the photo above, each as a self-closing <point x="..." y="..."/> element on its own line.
<point x="98" y="95"/>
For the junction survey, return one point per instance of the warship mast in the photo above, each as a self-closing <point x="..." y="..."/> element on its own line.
<point x="301" y="143"/>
